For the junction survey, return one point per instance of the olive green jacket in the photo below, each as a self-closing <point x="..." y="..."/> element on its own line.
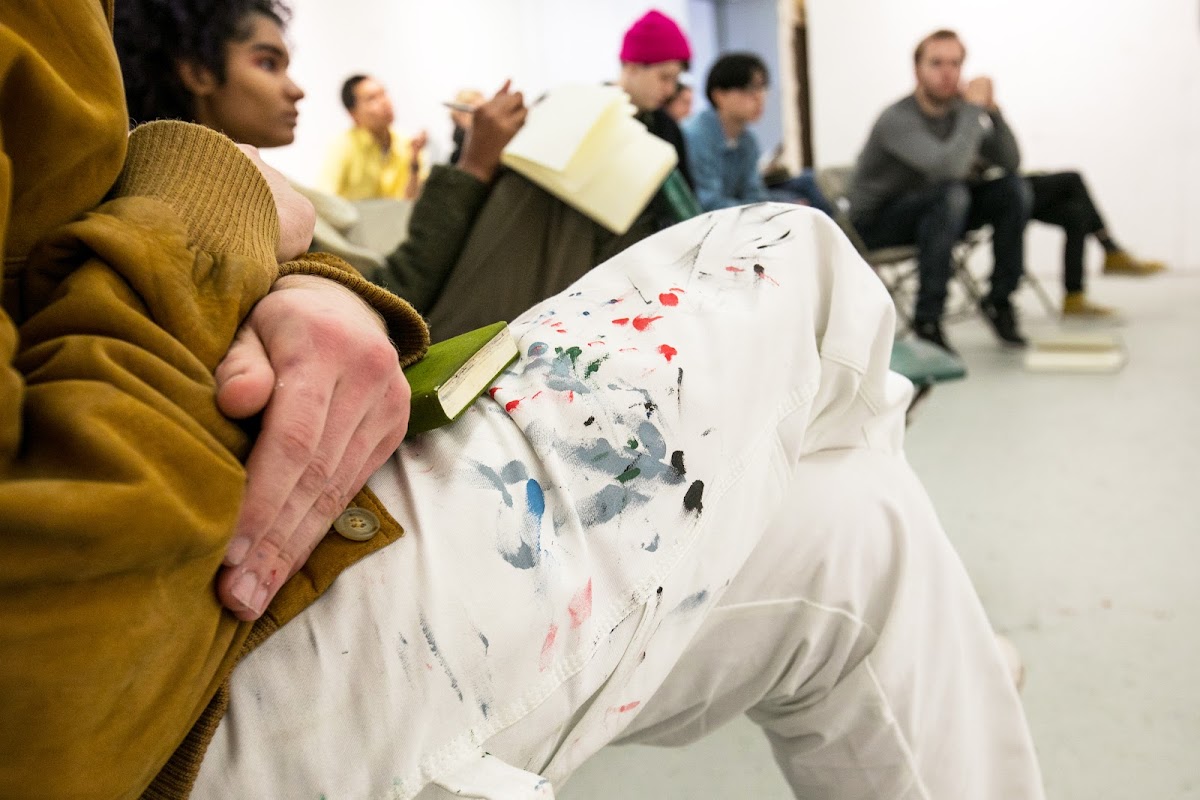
<point x="128" y="266"/>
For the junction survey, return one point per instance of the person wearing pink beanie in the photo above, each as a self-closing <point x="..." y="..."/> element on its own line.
<point x="654" y="53"/>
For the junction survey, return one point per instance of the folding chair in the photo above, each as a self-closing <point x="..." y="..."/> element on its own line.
<point x="895" y="266"/>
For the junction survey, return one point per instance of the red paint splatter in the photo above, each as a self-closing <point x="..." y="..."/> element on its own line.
<point x="677" y="289"/>
<point x="627" y="350"/>
<point x="628" y="707"/>
<point x="667" y="351"/>
<point x="621" y="321"/>
<point x="571" y="396"/>
<point x="535" y="396"/>
<point x="581" y="605"/>
<point x="511" y="404"/>
<point x="597" y="343"/>
<point x="668" y="299"/>
<point x="734" y="269"/>
<point x="560" y="330"/>
<point x="548" y="648"/>
<point x="492" y="392"/>
<point x="642" y="322"/>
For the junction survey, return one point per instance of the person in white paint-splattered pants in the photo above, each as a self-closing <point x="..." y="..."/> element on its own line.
<point x="686" y="501"/>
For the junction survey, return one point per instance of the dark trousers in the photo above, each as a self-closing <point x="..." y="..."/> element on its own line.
<point x="936" y="218"/>
<point x="1062" y="199"/>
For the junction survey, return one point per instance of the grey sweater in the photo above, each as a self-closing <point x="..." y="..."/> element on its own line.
<point x="908" y="151"/>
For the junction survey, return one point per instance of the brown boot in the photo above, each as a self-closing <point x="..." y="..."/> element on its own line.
<point x="1076" y="304"/>
<point x="1119" y="262"/>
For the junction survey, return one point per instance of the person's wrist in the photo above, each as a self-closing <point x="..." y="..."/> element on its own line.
<point x="318" y="283"/>
<point x="483" y="170"/>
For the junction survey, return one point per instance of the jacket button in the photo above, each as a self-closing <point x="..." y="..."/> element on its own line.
<point x="357" y="524"/>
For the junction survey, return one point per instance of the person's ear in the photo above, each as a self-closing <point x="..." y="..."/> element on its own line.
<point x="197" y="79"/>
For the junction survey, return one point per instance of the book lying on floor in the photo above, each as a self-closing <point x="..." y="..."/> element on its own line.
<point x="582" y="144"/>
<point x="1094" y="352"/>
<point x="454" y="372"/>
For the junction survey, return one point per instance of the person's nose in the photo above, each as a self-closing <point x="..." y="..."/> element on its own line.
<point x="293" y="91"/>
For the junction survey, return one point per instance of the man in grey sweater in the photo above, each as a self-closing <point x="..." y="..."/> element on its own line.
<point x="919" y="181"/>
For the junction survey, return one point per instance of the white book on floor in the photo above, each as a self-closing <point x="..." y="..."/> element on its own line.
<point x="582" y="144"/>
<point x="1085" y="352"/>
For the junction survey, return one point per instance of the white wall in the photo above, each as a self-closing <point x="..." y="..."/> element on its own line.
<point x="425" y="52"/>
<point x="1109" y="88"/>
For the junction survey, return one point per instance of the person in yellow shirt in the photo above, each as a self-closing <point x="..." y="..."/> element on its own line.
<point x="372" y="160"/>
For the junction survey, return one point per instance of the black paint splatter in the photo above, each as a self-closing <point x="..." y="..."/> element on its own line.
<point x="588" y="421"/>
<point x="759" y="270"/>
<point x="677" y="463"/>
<point x="692" y="500"/>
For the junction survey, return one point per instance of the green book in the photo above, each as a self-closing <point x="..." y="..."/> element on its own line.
<point x="680" y="198"/>
<point x="454" y="372"/>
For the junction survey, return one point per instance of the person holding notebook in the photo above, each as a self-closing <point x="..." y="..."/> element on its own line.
<point x="717" y="376"/>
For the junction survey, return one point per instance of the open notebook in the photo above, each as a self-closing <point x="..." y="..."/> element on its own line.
<point x="582" y="144"/>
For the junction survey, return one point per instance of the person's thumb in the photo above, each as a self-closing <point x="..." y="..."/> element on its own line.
<point x="245" y="378"/>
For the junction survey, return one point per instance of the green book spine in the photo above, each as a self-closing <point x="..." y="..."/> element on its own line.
<point x="680" y="197"/>
<point x="455" y="372"/>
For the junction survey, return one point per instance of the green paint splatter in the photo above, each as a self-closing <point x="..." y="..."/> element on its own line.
<point x="629" y="474"/>
<point x="632" y="445"/>
<point x="571" y="352"/>
<point x="593" y="367"/>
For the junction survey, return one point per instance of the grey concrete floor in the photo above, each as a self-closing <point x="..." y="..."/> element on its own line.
<point x="1073" y="500"/>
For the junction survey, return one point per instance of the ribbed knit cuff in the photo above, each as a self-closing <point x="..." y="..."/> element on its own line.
<point x="212" y="185"/>
<point x="407" y="329"/>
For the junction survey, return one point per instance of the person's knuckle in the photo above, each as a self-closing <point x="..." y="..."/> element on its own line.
<point x="378" y="357"/>
<point x="330" y="502"/>
<point x="298" y="439"/>
<point x="317" y="474"/>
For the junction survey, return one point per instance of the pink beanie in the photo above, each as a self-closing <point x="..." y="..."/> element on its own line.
<point x="653" y="39"/>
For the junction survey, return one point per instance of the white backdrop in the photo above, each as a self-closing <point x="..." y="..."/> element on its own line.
<point x="425" y="52"/>
<point x="1109" y="88"/>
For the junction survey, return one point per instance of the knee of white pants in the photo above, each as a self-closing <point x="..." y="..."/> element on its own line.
<point x="807" y="606"/>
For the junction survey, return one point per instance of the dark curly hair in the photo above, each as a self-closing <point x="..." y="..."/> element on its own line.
<point x="153" y="36"/>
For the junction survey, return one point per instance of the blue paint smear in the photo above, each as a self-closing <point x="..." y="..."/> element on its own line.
<point x="653" y="546"/>
<point x="437" y="654"/>
<point x="497" y="482"/>
<point x="537" y="349"/>
<point x="524" y="558"/>
<point x="514" y="472"/>
<point x="534" y="498"/>
<point x="692" y="602"/>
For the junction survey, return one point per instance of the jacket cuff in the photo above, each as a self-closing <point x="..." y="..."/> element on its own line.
<point x="210" y="183"/>
<point x="406" y="328"/>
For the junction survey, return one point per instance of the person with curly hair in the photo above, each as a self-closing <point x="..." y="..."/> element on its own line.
<point x="220" y="63"/>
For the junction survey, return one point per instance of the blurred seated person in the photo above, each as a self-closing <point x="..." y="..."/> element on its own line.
<point x="371" y="159"/>
<point x="724" y="153"/>
<point x="1063" y="199"/>
<point x="462" y="119"/>
<point x="920" y="179"/>
<point x="490" y="249"/>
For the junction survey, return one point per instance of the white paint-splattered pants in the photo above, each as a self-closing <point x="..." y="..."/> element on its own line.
<point x="687" y="501"/>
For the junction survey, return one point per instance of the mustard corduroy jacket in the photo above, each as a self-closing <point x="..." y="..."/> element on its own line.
<point x="129" y="263"/>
